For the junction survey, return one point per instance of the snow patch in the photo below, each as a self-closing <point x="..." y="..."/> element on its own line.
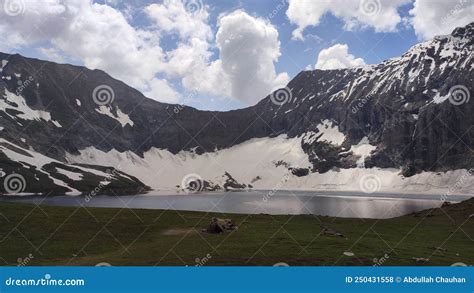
<point x="71" y="175"/>
<point x="4" y="63"/>
<point x="18" y="103"/>
<point x="438" y="99"/>
<point x="161" y="169"/>
<point x="121" y="117"/>
<point x="363" y="149"/>
<point x="330" y="133"/>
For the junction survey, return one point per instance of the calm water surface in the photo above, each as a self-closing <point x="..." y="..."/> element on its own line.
<point x="337" y="204"/>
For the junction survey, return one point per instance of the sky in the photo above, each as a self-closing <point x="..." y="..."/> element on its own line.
<point x="221" y="54"/>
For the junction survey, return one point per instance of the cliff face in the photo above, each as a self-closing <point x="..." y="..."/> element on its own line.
<point x="414" y="110"/>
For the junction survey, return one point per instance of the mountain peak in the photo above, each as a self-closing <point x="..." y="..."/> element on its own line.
<point x="464" y="32"/>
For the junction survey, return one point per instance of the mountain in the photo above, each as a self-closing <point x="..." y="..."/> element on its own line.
<point x="408" y="121"/>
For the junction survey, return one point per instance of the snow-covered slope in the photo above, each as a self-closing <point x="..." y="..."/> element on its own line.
<point x="26" y="171"/>
<point x="266" y="163"/>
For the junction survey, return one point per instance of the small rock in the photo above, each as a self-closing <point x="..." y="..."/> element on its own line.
<point x="348" y="253"/>
<point x="332" y="232"/>
<point x="218" y="226"/>
<point x="446" y="204"/>
<point x="420" y="259"/>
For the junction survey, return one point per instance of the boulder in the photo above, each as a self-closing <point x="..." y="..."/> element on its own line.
<point x="332" y="232"/>
<point x="218" y="226"/>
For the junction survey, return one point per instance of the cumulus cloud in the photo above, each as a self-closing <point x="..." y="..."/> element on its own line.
<point x="430" y="18"/>
<point x="249" y="47"/>
<point x="166" y="93"/>
<point x="52" y="54"/>
<point x="101" y="36"/>
<point x="97" y="34"/>
<point x="245" y="68"/>
<point x="381" y="15"/>
<point x="173" y="16"/>
<point x="337" y="57"/>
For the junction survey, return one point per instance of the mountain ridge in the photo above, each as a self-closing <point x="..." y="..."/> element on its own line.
<point x="403" y="109"/>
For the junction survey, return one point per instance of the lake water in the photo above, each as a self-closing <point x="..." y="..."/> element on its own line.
<point x="337" y="204"/>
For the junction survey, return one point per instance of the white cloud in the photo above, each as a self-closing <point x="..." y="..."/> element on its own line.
<point x="337" y="57"/>
<point x="381" y="15"/>
<point x="249" y="47"/>
<point x="172" y="16"/>
<point x="210" y="79"/>
<point x="431" y="18"/>
<point x="52" y="54"/>
<point x="162" y="89"/>
<point x="102" y="37"/>
<point x="98" y="35"/>
<point x="245" y="69"/>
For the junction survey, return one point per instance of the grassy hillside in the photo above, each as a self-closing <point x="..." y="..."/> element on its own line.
<point x="45" y="235"/>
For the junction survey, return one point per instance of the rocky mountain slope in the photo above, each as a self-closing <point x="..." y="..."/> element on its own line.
<point x="412" y="114"/>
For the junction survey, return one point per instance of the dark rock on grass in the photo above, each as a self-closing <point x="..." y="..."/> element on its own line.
<point x="332" y="232"/>
<point x="218" y="226"/>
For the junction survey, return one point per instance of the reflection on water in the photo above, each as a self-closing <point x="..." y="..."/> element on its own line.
<point x="346" y="204"/>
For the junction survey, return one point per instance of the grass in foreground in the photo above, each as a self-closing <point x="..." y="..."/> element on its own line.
<point x="45" y="235"/>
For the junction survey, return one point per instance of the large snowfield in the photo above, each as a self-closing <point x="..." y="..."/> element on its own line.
<point x="256" y="161"/>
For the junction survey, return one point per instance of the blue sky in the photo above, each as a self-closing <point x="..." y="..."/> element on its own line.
<point x="176" y="50"/>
